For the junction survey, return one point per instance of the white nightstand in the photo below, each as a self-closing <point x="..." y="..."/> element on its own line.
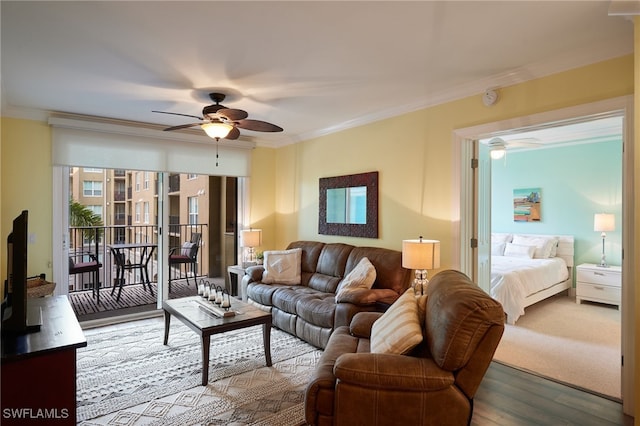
<point x="599" y="284"/>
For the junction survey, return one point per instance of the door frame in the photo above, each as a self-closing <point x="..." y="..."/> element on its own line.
<point x="463" y="183"/>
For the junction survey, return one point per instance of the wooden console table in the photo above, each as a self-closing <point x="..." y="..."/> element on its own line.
<point x="39" y="369"/>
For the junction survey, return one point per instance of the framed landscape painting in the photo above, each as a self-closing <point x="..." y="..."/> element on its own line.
<point x="526" y="205"/>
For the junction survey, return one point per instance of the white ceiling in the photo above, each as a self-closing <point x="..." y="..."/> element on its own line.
<point x="309" y="67"/>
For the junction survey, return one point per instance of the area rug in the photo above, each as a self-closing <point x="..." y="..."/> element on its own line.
<point x="126" y="376"/>
<point x="579" y="345"/>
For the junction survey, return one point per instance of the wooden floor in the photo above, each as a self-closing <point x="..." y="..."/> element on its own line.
<point x="508" y="396"/>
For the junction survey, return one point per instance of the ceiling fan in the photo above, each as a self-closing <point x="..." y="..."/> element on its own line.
<point x="499" y="146"/>
<point x="220" y="122"/>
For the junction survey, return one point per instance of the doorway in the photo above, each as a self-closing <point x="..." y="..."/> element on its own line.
<point x="471" y="218"/>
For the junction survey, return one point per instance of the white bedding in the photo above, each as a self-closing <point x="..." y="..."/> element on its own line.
<point x="515" y="278"/>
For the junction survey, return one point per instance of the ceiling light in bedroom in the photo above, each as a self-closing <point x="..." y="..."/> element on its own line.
<point x="420" y="255"/>
<point x="498" y="152"/>
<point x="604" y="222"/>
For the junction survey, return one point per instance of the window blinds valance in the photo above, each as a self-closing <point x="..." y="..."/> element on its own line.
<point x="80" y="142"/>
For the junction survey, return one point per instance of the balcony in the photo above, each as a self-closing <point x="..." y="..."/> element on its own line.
<point x="134" y="297"/>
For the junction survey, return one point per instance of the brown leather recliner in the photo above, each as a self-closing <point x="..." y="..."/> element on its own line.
<point x="432" y="385"/>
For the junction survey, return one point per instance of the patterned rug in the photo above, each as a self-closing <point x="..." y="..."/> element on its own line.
<point x="126" y="376"/>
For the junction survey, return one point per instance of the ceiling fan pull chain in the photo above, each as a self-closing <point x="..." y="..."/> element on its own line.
<point x="217" y="140"/>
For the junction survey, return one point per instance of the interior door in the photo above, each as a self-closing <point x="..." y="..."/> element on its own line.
<point x="483" y="231"/>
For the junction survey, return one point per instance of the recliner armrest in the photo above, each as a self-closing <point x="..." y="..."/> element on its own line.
<point x="364" y="296"/>
<point x="392" y="372"/>
<point x="255" y="273"/>
<point x="362" y="322"/>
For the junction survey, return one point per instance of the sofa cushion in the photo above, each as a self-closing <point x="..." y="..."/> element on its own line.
<point x="398" y="330"/>
<point x="360" y="277"/>
<point x="317" y="308"/>
<point x="282" y="266"/>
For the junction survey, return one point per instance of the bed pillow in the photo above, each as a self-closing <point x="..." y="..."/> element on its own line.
<point x="543" y="245"/>
<point x="282" y="266"/>
<point x="519" y="250"/>
<point x="497" y="249"/>
<point x="398" y="330"/>
<point x="498" y="237"/>
<point x="362" y="276"/>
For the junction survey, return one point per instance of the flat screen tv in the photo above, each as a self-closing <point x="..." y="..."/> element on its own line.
<point x="14" y="306"/>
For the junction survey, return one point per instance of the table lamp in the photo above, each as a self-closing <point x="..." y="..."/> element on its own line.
<point x="251" y="238"/>
<point x="420" y="255"/>
<point x="604" y="222"/>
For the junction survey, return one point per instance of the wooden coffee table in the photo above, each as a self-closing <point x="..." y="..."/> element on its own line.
<point x="204" y="323"/>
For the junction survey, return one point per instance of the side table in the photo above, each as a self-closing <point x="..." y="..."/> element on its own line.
<point x="599" y="284"/>
<point x="238" y="271"/>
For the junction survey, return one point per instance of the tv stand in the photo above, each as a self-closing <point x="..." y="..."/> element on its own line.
<point x="39" y="368"/>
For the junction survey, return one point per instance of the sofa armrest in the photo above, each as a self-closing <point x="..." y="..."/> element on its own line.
<point x="364" y="296"/>
<point x="392" y="372"/>
<point x="362" y="322"/>
<point x="255" y="273"/>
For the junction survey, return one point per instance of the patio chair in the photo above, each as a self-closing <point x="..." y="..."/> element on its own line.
<point x="83" y="262"/>
<point x="187" y="256"/>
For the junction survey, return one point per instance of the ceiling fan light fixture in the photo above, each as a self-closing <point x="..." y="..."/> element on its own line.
<point x="498" y="152"/>
<point x="216" y="130"/>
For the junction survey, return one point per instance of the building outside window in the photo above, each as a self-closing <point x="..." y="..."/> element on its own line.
<point x="193" y="210"/>
<point x="137" y="212"/>
<point x="146" y="211"/>
<point x="191" y="176"/>
<point x="146" y="180"/>
<point x="92" y="188"/>
<point x="92" y="170"/>
<point x="137" y="181"/>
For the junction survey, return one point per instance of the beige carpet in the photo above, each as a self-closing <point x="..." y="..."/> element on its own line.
<point x="575" y="344"/>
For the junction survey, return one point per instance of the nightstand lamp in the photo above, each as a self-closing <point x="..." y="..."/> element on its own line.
<point x="251" y="238"/>
<point x="420" y="255"/>
<point x="604" y="222"/>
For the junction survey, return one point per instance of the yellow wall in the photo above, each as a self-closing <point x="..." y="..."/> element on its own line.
<point x="25" y="183"/>
<point x="636" y="224"/>
<point x="413" y="154"/>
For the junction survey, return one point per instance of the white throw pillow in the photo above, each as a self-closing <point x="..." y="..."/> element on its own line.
<point x="362" y="276"/>
<point x="544" y="245"/>
<point x="499" y="237"/>
<point x="282" y="266"/>
<point x="398" y="330"/>
<point x="519" y="250"/>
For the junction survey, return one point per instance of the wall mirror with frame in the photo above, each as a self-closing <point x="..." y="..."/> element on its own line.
<point x="348" y="205"/>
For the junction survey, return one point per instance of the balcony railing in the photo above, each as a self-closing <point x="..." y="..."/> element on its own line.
<point x="83" y="241"/>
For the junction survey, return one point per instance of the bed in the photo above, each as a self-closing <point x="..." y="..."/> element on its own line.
<point x="528" y="268"/>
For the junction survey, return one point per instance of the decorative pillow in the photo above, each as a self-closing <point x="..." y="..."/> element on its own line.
<point x="497" y="249"/>
<point x="362" y="276"/>
<point x="282" y="266"/>
<point x="186" y="249"/>
<point x="543" y="245"/>
<point x="519" y="250"/>
<point x="398" y="330"/>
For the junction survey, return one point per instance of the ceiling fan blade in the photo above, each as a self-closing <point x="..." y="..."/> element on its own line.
<point x="233" y="134"/>
<point x="233" y="114"/>
<point x="258" y="126"/>
<point x="176" y="113"/>
<point x="182" y="126"/>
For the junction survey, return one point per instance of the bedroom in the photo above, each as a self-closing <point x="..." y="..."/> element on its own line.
<point x="575" y="181"/>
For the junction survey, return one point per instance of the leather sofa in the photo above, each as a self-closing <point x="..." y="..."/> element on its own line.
<point x="434" y="384"/>
<point x="309" y="310"/>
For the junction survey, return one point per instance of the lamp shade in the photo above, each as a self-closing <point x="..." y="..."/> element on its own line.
<point x="604" y="222"/>
<point x="420" y="254"/>
<point x="251" y="237"/>
<point x="216" y="130"/>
